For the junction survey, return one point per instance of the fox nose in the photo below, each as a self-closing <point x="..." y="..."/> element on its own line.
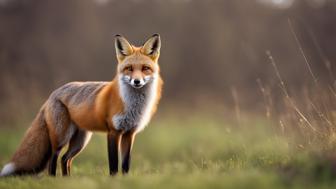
<point x="136" y="81"/>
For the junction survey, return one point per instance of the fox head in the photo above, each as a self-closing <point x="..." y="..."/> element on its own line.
<point x="138" y="66"/>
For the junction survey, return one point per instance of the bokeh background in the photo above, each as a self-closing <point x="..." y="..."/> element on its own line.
<point x="249" y="98"/>
<point x="213" y="52"/>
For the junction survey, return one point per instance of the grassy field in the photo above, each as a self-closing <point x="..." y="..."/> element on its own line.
<point x="191" y="152"/>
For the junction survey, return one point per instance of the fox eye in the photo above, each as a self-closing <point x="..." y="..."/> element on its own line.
<point x="129" y="68"/>
<point x="145" y="68"/>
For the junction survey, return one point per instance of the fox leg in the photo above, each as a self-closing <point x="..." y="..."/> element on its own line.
<point x="126" y="147"/>
<point x="53" y="162"/>
<point x="77" y="143"/>
<point x="61" y="130"/>
<point x="113" y="142"/>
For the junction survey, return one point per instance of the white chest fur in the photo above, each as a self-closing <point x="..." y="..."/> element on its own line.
<point x="138" y="105"/>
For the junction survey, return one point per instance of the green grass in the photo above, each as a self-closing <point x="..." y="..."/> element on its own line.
<point x="189" y="152"/>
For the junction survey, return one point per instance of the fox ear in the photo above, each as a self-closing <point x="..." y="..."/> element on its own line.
<point x="123" y="47"/>
<point x="152" y="47"/>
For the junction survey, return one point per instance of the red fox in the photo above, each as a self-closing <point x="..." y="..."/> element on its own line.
<point x="121" y="108"/>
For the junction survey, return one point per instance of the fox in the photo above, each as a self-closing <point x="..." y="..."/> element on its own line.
<point x="121" y="108"/>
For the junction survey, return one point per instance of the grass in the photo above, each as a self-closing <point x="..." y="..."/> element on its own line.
<point x="191" y="152"/>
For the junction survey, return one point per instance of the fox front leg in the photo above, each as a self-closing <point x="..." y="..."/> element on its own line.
<point x="126" y="148"/>
<point x="113" y="140"/>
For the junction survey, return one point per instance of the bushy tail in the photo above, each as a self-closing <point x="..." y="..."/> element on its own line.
<point x="34" y="151"/>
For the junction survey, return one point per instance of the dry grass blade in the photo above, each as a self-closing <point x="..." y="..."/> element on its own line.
<point x="327" y="64"/>
<point x="322" y="55"/>
<point x="332" y="91"/>
<point x="321" y="115"/>
<point x="301" y="51"/>
<point x="267" y="102"/>
<point x="236" y="102"/>
<point x="284" y="89"/>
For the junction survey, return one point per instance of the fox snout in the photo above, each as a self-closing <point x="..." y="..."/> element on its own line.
<point x="137" y="82"/>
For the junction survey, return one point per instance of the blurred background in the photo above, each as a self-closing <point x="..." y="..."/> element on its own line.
<point x="216" y="54"/>
<point x="249" y="94"/>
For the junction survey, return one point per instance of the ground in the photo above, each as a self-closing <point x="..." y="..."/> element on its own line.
<point x="189" y="152"/>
